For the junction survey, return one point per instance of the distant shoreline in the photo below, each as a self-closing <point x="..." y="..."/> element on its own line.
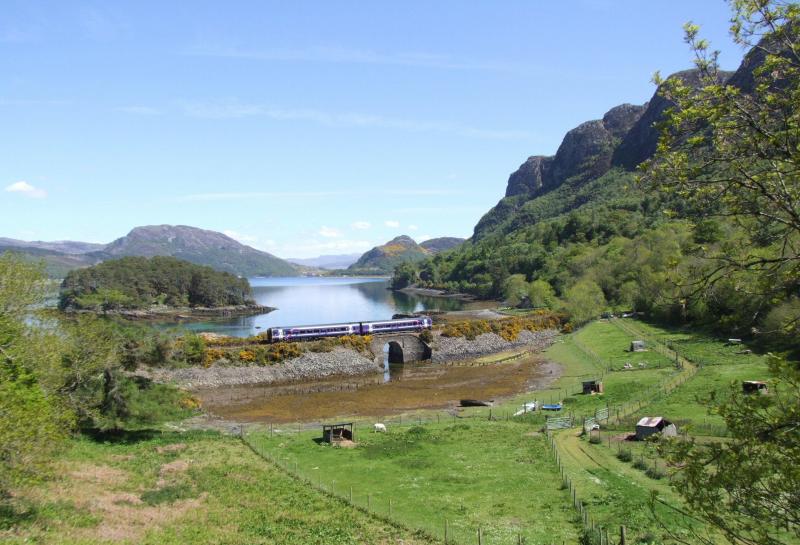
<point x="429" y="292"/>
<point x="181" y="313"/>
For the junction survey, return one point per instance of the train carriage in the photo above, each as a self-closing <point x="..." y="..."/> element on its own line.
<point x="311" y="332"/>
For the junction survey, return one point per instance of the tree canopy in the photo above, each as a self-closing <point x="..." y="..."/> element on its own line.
<point x="140" y="282"/>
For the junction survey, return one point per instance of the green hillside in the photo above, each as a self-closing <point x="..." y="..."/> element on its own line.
<point x="610" y="224"/>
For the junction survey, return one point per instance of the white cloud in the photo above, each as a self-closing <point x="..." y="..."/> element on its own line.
<point x="329" y="232"/>
<point x="423" y="238"/>
<point x="238" y="110"/>
<point x="245" y="239"/>
<point x="360" y="225"/>
<point x="391" y="223"/>
<point x="412" y="227"/>
<point x="24" y="188"/>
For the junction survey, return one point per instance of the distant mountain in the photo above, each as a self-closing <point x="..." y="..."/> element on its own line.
<point x="56" y="264"/>
<point x="198" y="246"/>
<point x="62" y="246"/>
<point x="441" y="244"/>
<point x="339" y="261"/>
<point x="191" y="244"/>
<point x="383" y="259"/>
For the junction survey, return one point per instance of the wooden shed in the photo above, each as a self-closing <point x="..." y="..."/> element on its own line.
<point x="638" y="346"/>
<point x="754" y="387"/>
<point x="653" y="425"/>
<point x="592" y="387"/>
<point x="336" y="433"/>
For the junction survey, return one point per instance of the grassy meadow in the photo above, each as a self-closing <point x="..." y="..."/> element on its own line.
<point x="177" y="488"/>
<point x="468" y="473"/>
<point x="497" y="476"/>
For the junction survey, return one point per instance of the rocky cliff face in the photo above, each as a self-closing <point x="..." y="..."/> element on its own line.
<point x="586" y="150"/>
<point x="626" y="136"/>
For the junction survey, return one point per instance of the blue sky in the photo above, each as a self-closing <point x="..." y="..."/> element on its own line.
<point x="305" y="128"/>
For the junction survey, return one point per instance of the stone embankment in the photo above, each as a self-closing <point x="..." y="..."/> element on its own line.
<point x="309" y="366"/>
<point x="459" y="348"/>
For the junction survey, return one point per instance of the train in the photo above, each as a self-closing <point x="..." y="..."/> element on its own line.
<point x="311" y="332"/>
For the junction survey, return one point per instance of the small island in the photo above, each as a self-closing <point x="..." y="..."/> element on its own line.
<point x="155" y="288"/>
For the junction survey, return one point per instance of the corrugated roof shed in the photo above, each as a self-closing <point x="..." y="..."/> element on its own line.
<point x="650" y="421"/>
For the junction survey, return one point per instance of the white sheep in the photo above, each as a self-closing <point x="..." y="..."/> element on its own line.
<point x="380" y="428"/>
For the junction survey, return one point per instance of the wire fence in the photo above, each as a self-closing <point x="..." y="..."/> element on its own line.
<point x="454" y="526"/>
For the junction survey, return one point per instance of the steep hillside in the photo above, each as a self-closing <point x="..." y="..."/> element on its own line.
<point x="198" y="246"/>
<point x="577" y="230"/>
<point x="441" y="244"/>
<point x="383" y="259"/>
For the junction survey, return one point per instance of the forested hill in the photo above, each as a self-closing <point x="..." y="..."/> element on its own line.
<point x="140" y="282"/>
<point x="577" y="231"/>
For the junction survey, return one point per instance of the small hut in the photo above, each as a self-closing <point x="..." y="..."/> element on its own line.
<point x="638" y="346"/>
<point x="754" y="387"/>
<point x="592" y="387"/>
<point x="653" y="425"/>
<point x="336" y="433"/>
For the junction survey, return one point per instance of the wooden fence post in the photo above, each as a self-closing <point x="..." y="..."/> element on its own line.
<point x="622" y="540"/>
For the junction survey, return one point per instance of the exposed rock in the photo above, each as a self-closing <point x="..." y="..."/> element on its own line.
<point x="309" y="366"/>
<point x="529" y="178"/>
<point x="459" y="348"/>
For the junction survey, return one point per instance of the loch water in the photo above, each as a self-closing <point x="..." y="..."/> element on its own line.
<point x="322" y="300"/>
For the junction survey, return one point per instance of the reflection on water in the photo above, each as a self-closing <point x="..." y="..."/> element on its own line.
<point x="312" y="300"/>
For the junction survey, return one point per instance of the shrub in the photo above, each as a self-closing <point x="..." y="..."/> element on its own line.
<point x="426" y="336"/>
<point x="624" y="456"/>
<point x="595" y="439"/>
<point x="655" y="472"/>
<point x="247" y="356"/>
<point x="640" y="464"/>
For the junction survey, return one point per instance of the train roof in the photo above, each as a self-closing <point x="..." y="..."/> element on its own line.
<point x="347" y="323"/>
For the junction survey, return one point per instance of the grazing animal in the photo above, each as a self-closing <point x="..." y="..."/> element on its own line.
<point x="380" y="428"/>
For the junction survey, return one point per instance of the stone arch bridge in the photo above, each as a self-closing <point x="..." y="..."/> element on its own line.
<point x="403" y="347"/>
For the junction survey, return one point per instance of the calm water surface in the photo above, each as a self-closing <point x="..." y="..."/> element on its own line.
<point x="312" y="300"/>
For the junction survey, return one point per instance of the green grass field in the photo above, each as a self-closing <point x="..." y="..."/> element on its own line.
<point x="498" y="476"/>
<point x="466" y="473"/>
<point x="178" y="488"/>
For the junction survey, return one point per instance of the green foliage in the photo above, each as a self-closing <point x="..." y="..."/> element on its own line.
<point x="139" y="282"/>
<point x="405" y="274"/>
<point x="508" y="328"/>
<point x="33" y="424"/>
<point x="541" y="294"/>
<point x="584" y="301"/>
<point x="515" y="288"/>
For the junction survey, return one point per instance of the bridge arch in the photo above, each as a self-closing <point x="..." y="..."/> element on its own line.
<point x="403" y="347"/>
<point x="395" y="352"/>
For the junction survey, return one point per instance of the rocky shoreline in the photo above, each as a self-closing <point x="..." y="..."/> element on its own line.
<point x="310" y="366"/>
<point x="447" y="349"/>
<point x="428" y="292"/>
<point x="183" y="313"/>
<point x="341" y="362"/>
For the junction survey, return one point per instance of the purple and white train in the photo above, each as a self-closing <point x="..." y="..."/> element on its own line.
<point x="309" y="332"/>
